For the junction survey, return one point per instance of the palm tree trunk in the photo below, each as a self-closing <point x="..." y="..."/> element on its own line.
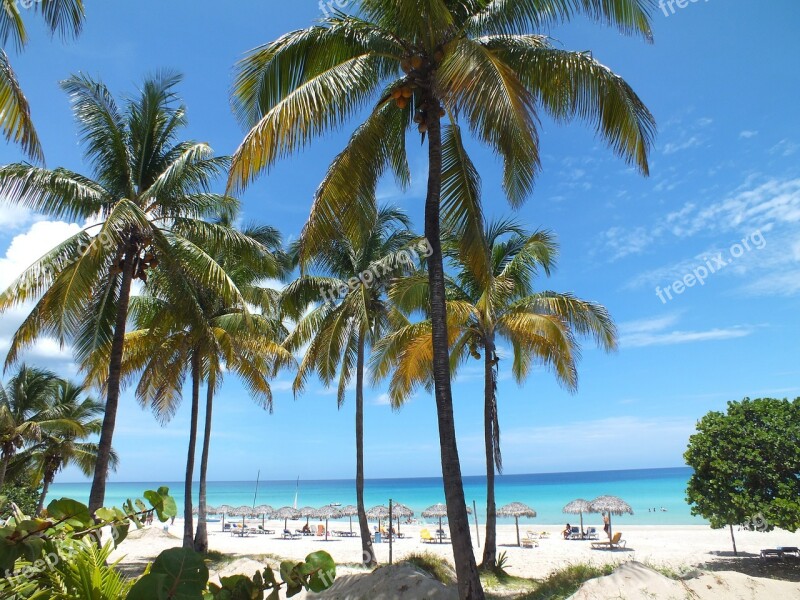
<point x="97" y="495"/>
<point x="188" y="524"/>
<point x="3" y="466"/>
<point x="489" y="413"/>
<point x="201" y="537"/>
<point x="367" y="552"/>
<point x="469" y="584"/>
<point x="47" y="479"/>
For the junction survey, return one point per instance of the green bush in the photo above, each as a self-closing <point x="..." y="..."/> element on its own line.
<point x="561" y="584"/>
<point x="24" y="496"/>
<point x="433" y="565"/>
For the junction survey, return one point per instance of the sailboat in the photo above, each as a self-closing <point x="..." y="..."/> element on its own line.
<point x="296" y="492"/>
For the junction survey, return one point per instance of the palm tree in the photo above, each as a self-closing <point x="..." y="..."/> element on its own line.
<point x="145" y="207"/>
<point x="168" y="345"/>
<point x="540" y="327"/>
<point x="24" y="410"/>
<point x="423" y="63"/>
<point x="351" y="315"/>
<point x="61" y="447"/>
<point x="64" y="17"/>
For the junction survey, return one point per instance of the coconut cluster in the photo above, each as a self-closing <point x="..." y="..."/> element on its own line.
<point x="143" y="262"/>
<point x="418" y="68"/>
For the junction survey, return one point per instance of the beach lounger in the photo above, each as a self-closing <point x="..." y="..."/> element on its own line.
<point x="529" y="541"/>
<point x="591" y="534"/>
<point x="792" y="551"/>
<point x="616" y="543"/>
<point x="426" y="537"/>
<point x="288" y="535"/>
<point x="575" y="534"/>
<point x="767" y="553"/>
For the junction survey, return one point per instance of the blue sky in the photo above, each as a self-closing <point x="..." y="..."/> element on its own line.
<point x="722" y="82"/>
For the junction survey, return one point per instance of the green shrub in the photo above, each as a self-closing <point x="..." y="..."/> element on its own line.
<point x="434" y="565"/>
<point x="561" y="584"/>
<point x="25" y="497"/>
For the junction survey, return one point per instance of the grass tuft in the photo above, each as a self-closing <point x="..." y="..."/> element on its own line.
<point x="435" y="566"/>
<point x="561" y="584"/>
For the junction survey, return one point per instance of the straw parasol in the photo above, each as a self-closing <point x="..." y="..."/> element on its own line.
<point x="439" y="511"/>
<point x="308" y="512"/>
<point x="378" y="512"/>
<point x="212" y="510"/>
<point x="611" y="505"/>
<point x="329" y="512"/>
<point x="349" y="511"/>
<point x="225" y="509"/>
<point x="286" y="513"/>
<point x="577" y="507"/>
<point x="401" y="511"/>
<point x="264" y="510"/>
<point x="241" y="511"/>
<point x="516" y="510"/>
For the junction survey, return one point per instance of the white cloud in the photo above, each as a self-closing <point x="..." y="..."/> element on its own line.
<point x="27" y="247"/>
<point x="383" y="400"/>
<point x="748" y="134"/>
<point x="13" y="216"/>
<point x="658" y="331"/>
<point x="784" y="148"/>
<point x="673" y="147"/>
<point x="618" y="242"/>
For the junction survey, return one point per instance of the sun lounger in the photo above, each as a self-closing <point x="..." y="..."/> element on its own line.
<point x="616" y="543"/>
<point x="792" y="551"/>
<point x="767" y="553"/>
<point x="780" y="552"/>
<point x="575" y="534"/>
<point x="591" y="534"/>
<point x="288" y="535"/>
<point x="426" y="537"/>
<point x="529" y="541"/>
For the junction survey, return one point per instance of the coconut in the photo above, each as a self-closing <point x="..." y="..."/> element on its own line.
<point x="416" y="61"/>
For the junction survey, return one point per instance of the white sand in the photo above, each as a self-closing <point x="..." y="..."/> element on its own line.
<point x="678" y="548"/>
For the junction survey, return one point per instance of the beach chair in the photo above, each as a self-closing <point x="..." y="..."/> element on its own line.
<point x="532" y="535"/>
<point x="767" y="553"/>
<point x="792" y="551"/>
<point x="591" y="534"/>
<point x="529" y="541"/>
<point x="426" y="537"/>
<point x="616" y="543"/>
<point x="288" y="535"/>
<point x="544" y="535"/>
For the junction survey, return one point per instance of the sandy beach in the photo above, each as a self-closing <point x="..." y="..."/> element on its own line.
<point x="677" y="548"/>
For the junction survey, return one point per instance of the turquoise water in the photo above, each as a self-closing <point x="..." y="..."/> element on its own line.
<point x="546" y="493"/>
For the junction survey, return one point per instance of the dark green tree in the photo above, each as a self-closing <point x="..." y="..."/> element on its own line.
<point x="746" y="464"/>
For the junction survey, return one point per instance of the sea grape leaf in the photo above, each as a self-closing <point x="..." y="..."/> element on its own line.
<point x="71" y="512"/>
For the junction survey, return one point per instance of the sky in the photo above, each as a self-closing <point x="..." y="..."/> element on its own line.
<point x="722" y="82"/>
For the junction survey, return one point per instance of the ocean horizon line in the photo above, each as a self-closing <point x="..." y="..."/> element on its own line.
<point x="430" y="478"/>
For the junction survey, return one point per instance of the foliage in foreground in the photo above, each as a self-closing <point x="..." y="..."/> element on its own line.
<point x="745" y="466"/>
<point x="58" y="557"/>
<point x="435" y="566"/>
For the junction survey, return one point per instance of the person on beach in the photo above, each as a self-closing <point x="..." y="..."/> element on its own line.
<point x="567" y="531"/>
<point x="606" y="521"/>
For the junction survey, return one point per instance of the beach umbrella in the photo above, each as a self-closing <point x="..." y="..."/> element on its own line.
<point x="241" y="511"/>
<point x="308" y="512"/>
<point x="378" y="512"/>
<point x="611" y="505"/>
<point x="286" y="513"/>
<point x="212" y="510"/>
<point x="516" y="510"/>
<point x="264" y="510"/>
<point x="577" y="507"/>
<point x="439" y="511"/>
<point x="225" y="509"/>
<point x="401" y="511"/>
<point x="349" y="511"/>
<point x="329" y="512"/>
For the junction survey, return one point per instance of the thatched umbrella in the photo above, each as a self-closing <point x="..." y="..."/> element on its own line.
<point x="212" y="510"/>
<point x="308" y="512"/>
<point x="286" y="513"/>
<point x="264" y="510"/>
<point x="225" y="509"/>
<point x="439" y="511"/>
<point x="378" y="512"/>
<point x="241" y="511"/>
<point x="401" y="511"/>
<point x="577" y="507"/>
<point x="611" y="505"/>
<point x="516" y="510"/>
<point x="329" y="512"/>
<point x="349" y="511"/>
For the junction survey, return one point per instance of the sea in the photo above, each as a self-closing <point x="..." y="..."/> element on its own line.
<point x="657" y="496"/>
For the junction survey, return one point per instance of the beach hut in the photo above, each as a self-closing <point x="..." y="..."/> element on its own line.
<point x="286" y="513"/>
<point x="439" y="511"/>
<point x="611" y="505"/>
<point x="265" y="510"/>
<point x="577" y="507"/>
<point x="516" y="510"/>
<point x="349" y="511"/>
<point x="329" y="512"/>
